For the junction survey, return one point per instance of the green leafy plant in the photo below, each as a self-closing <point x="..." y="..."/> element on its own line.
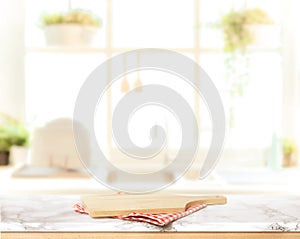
<point x="12" y="132"/>
<point x="80" y="17"/>
<point x="237" y="37"/>
<point x="233" y="24"/>
<point x="289" y="146"/>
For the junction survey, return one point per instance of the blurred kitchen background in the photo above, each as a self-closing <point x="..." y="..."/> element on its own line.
<point x="249" y="48"/>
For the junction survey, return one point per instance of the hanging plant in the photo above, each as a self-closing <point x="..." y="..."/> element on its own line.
<point x="241" y="28"/>
<point x="237" y="36"/>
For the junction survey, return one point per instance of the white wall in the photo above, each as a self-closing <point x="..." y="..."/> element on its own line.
<point x="12" y="58"/>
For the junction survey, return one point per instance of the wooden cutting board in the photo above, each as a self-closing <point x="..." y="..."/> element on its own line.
<point x="114" y="205"/>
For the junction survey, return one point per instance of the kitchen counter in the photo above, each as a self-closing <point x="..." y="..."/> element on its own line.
<point x="259" y="181"/>
<point x="33" y="215"/>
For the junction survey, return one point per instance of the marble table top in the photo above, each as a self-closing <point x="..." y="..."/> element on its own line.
<point x="242" y="213"/>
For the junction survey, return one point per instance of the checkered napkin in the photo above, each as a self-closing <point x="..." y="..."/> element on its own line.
<point x="161" y="219"/>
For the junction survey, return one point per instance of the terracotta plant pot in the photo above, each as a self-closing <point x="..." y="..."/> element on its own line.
<point x="4" y="156"/>
<point x="289" y="160"/>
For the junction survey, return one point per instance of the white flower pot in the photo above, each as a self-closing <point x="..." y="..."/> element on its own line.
<point x="18" y="155"/>
<point x="69" y="35"/>
<point x="264" y="36"/>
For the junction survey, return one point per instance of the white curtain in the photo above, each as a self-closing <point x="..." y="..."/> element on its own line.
<point x="12" y="58"/>
<point x="291" y="69"/>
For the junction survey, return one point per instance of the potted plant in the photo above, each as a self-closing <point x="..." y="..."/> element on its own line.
<point x="289" y="150"/>
<point x="74" y="28"/>
<point x="247" y="27"/>
<point x="12" y="132"/>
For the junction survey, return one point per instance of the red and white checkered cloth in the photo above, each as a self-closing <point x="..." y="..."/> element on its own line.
<point x="161" y="219"/>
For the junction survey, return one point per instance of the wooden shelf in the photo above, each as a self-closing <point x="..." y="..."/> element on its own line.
<point x="58" y="49"/>
<point x="103" y="50"/>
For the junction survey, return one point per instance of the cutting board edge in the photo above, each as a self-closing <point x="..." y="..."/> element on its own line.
<point x="97" y="213"/>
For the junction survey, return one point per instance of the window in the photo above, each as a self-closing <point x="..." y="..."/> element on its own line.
<point x="54" y="75"/>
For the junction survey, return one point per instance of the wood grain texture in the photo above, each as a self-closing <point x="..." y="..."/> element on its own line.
<point x="150" y="235"/>
<point x="114" y="205"/>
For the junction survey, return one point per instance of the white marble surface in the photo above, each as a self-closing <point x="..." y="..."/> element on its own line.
<point x="241" y="213"/>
